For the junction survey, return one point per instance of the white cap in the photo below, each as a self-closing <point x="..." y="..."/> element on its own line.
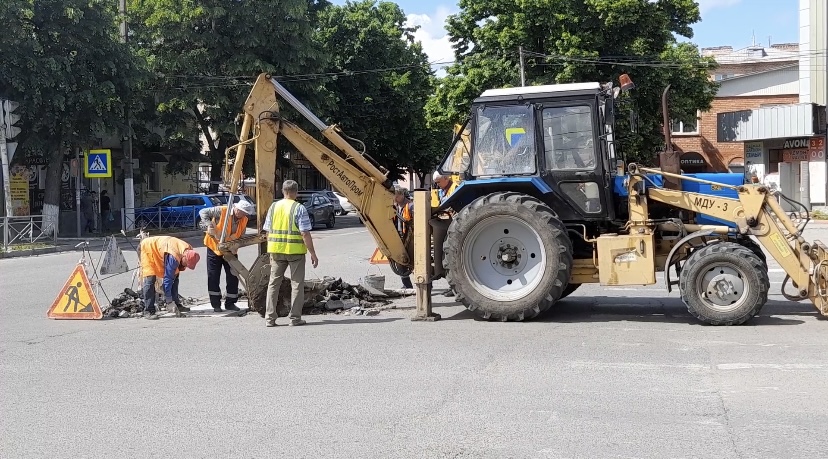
<point x="244" y="206"/>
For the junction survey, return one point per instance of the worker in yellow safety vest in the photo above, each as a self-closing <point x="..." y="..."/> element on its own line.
<point x="213" y="219"/>
<point x="288" y="241"/>
<point x="165" y="257"/>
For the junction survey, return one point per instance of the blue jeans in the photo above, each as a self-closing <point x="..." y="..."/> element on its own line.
<point x="149" y="293"/>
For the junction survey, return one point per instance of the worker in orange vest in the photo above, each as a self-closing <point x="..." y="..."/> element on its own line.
<point x="213" y="220"/>
<point x="165" y="257"/>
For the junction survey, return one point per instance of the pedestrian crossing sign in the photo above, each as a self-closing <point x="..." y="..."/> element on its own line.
<point x="76" y="300"/>
<point x="98" y="164"/>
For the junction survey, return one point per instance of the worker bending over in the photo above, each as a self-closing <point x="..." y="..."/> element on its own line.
<point x="288" y="240"/>
<point x="213" y="220"/>
<point x="403" y="217"/>
<point x="165" y="257"/>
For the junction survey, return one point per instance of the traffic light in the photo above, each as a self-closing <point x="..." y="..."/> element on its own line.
<point x="9" y="119"/>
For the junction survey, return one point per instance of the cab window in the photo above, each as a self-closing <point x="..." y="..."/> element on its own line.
<point x="504" y="141"/>
<point x="568" y="139"/>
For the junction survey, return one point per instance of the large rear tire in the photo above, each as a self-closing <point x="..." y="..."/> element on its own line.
<point x="724" y="284"/>
<point x="508" y="256"/>
<point x="568" y="290"/>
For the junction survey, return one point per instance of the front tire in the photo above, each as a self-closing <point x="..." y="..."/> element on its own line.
<point x="331" y="221"/>
<point x="724" y="284"/>
<point x="508" y="256"/>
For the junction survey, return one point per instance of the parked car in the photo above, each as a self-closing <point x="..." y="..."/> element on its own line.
<point x="346" y="205"/>
<point x="320" y="209"/>
<point x="223" y="197"/>
<point x="174" y="211"/>
<point x="331" y="197"/>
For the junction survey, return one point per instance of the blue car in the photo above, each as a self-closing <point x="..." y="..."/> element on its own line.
<point x="174" y="211"/>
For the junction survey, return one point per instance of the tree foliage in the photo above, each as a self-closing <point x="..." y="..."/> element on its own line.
<point x="381" y="80"/>
<point x="205" y="54"/>
<point x="575" y="41"/>
<point x="64" y="62"/>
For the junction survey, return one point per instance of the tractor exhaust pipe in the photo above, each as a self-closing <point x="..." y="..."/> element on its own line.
<point x="669" y="159"/>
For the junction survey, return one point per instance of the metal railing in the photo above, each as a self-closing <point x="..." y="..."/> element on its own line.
<point x="161" y="217"/>
<point x="27" y="229"/>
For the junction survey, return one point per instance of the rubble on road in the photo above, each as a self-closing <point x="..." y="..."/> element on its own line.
<point x="331" y="295"/>
<point x="131" y="304"/>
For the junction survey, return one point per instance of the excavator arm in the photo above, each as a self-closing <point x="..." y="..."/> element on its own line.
<point x="354" y="173"/>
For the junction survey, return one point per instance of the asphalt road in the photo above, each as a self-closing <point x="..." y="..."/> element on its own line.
<point x="622" y="372"/>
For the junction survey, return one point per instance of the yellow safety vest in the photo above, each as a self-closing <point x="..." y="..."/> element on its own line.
<point x="284" y="236"/>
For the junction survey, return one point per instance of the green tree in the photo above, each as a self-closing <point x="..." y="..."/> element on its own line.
<point x="206" y="54"/>
<point x="382" y="81"/>
<point x="63" y="61"/>
<point x="575" y="41"/>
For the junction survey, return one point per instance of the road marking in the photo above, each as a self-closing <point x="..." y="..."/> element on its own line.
<point x="637" y="366"/>
<point x="772" y="366"/>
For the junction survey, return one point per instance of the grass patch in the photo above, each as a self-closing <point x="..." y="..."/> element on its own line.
<point x="19" y="247"/>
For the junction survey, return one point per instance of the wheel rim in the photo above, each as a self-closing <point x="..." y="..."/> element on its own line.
<point x="504" y="257"/>
<point x="723" y="287"/>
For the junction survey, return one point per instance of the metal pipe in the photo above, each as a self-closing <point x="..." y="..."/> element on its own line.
<point x="694" y="227"/>
<point x="237" y="166"/>
<point x="330" y="133"/>
<point x="684" y="177"/>
<point x="294" y="102"/>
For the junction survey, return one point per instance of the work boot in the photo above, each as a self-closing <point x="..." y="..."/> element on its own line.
<point x="217" y="308"/>
<point x="182" y="308"/>
<point x="271" y="323"/>
<point x="297" y="322"/>
<point x="231" y="307"/>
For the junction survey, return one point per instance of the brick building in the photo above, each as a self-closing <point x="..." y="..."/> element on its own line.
<point x="750" y="78"/>
<point x="784" y="142"/>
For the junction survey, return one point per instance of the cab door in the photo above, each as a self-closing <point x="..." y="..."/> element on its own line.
<point x="571" y="160"/>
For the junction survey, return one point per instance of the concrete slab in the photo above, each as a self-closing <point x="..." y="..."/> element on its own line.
<point x="203" y="310"/>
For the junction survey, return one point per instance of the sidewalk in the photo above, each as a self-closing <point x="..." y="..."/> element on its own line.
<point x="96" y="242"/>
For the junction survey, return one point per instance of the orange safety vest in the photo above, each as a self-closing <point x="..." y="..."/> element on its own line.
<point x="153" y="250"/>
<point x="212" y="244"/>
<point x="406" y="215"/>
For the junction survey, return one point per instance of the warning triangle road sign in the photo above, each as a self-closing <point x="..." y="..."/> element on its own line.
<point x="114" y="261"/>
<point x="76" y="299"/>
<point x="378" y="258"/>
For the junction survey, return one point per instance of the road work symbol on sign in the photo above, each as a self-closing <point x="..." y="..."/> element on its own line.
<point x="114" y="261"/>
<point x="76" y="299"/>
<point x="378" y="258"/>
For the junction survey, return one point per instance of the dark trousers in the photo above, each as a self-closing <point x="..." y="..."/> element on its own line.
<point x="149" y="293"/>
<point x="406" y="281"/>
<point x="215" y="263"/>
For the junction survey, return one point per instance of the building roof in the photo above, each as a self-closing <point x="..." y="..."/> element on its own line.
<point x="782" y="80"/>
<point x="724" y="55"/>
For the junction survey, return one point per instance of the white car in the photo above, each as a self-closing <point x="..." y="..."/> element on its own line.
<point x="345" y="204"/>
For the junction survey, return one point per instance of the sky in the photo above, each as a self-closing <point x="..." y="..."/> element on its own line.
<point x="724" y="22"/>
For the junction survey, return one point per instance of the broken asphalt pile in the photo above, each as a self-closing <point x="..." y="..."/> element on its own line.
<point x="130" y="304"/>
<point x="331" y="295"/>
<point x="338" y="296"/>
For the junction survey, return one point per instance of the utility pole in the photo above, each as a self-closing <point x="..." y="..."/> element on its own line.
<point x="522" y="72"/>
<point x="126" y="141"/>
